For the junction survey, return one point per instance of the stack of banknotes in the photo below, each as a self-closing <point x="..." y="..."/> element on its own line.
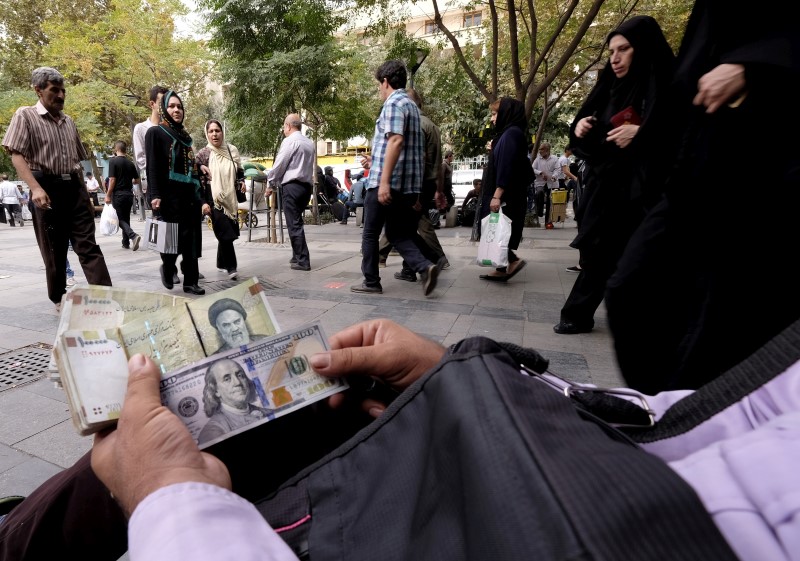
<point x="225" y="366"/>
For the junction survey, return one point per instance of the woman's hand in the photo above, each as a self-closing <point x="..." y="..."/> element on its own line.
<point x="206" y="210"/>
<point x="494" y="205"/>
<point x="584" y="126"/>
<point x="205" y="171"/>
<point x="623" y="135"/>
<point x="155" y="204"/>
<point x="719" y="86"/>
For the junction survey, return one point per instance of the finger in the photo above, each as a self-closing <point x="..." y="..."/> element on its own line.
<point x="373" y="407"/>
<point x="143" y="393"/>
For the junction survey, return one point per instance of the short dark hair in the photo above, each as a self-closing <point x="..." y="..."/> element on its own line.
<point x="155" y="90"/>
<point x="394" y="71"/>
<point x="222" y="305"/>
<point x="120" y="146"/>
<point x="88" y="174"/>
<point x="448" y="153"/>
<point x="476" y="181"/>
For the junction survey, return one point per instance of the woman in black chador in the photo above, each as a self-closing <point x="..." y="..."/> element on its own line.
<point x="605" y="135"/>
<point x="174" y="189"/>
<point x="702" y="284"/>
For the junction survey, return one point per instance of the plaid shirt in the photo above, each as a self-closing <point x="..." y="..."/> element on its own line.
<point x="399" y="116"/>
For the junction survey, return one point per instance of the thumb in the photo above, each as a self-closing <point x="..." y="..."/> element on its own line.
<point x="143" y="386"/>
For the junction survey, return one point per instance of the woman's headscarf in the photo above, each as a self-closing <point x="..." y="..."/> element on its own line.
<point x="223" y="163"/>
<point x="650" y="71"/>
<point x="510" y="113"/>
<point x="177" y="129"/>
<point x="181" y="156"/>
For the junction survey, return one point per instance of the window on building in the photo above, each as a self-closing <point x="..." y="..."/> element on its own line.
<point x="431" y="27"/>
<point x="472" y="19"/>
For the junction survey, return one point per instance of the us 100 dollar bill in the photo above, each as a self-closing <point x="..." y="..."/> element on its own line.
<point x="235" y="391"/>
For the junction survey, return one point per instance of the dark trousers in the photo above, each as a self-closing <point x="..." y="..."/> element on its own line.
<point x="123" y="202"/>
<point x="226" y="256"/>
<point x="187" y="249"/>
<point x="14" y="212"/>
<point x="543" y="202"/>
<point x="430" y="248"/>
<point x="71" y="218"/>
<point x="295" y="200"/>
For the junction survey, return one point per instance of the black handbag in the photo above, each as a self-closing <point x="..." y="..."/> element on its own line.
<point x="225" y="228"/>
<point x="239" y="187"/>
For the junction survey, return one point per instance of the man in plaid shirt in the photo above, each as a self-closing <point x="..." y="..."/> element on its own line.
<point x="395" y="181"/>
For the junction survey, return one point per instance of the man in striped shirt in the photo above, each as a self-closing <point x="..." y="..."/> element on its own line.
<point x="47" y="152"/>
<point x="395" y="181"/>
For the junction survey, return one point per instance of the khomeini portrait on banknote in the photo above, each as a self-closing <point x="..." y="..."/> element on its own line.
<point x="227" y="399"/>
<point x="228" y="317"/>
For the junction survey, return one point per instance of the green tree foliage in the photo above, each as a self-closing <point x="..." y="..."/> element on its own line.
<point x="111" y="53"/>
<point x="280" y="57"/>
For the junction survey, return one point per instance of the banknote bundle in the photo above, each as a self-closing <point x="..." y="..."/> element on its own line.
<point x="224" y="366"/>
<point x="216" y="397"/>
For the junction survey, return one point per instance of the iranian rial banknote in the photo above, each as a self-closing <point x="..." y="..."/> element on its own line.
<point x="234" y="391"/>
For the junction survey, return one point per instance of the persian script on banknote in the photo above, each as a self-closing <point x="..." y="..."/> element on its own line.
<point x="216" y="397"/>
<point x="101" y="326"/>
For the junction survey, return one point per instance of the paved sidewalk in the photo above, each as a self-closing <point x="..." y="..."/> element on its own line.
<point x="37" y="438"/>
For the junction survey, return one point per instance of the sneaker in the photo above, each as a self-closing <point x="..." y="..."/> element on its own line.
<point x="446" y="264"/>
<point x="233" y="275"/>
<point x="364" y="288"/>
<point x="221" y="270"/>
<point x="573" y="269"/>
<point x="71" y="281"/>
<point x="136" y="241"/>
<point x="405" y="275"/>
<point x="429" y="278"/>
<point x="299" y="267"/>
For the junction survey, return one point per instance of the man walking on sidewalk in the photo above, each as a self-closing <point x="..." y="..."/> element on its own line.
<point x="395" y="182"/>
<point x="47" y="152"/>
<point x="123" y="176"/>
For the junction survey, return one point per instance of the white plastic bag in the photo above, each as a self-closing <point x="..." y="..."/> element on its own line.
<point x="495" y="235"/>
<point x="109" y="223"/>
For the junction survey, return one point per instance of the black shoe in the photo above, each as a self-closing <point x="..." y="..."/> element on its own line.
<point x="175" y="278"/>
<point x="168" y="284"/>
<point x="125" y="246"/>
<point x="569" y="328"/>
<point x="299" y="267"/>
<point x="194" y="289"/>
<point x="292" y="261"/>
<point x="429" y="278"/>
<point x="405" y="275"/>
<point x="366" y="289"/>
<point x="7" y="504"/>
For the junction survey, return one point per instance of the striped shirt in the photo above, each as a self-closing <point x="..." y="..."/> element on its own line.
<point x="48" y="144"/>
<point x="399" y="116"/>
